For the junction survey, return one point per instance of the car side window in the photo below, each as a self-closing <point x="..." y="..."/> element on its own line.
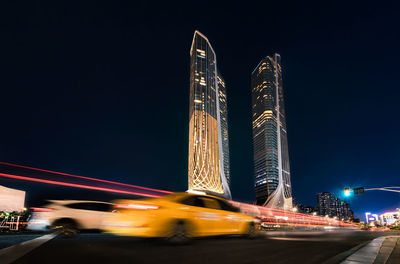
<point x="80" y="206"/>
<point x="228" y="207"/>
<point x="193" y="201"/>
<point x="211" y="203"/>
<point x="102" y="207"/>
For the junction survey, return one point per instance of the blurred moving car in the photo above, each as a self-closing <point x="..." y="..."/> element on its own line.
<point x="178" y="217"/>
<point x="69" y="216"/>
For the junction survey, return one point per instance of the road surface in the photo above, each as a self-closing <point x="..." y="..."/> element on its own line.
<point x="272" y="247"/>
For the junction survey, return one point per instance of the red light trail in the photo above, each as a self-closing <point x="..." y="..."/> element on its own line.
<point x="86" y="178"/>
<point x="76" y="185"/>
<point x="269" y="216"/>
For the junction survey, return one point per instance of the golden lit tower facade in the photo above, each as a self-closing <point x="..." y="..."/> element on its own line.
<point x="206" y="167"/>
<point x="271" y="156"/>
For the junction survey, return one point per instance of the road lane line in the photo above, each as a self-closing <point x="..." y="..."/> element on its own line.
<point x="285" y="233"/>
<point x="311" y="239"/>
<point x="14" y="252"/>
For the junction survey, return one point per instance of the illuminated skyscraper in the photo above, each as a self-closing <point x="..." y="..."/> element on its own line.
<point x="206" y="168"/>
<point x="223" y="109"/>
<point x="271" y="155"/>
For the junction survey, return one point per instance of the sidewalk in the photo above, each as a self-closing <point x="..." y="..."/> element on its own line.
<point x="381" y="250"/>
<point x="395" y="256"/>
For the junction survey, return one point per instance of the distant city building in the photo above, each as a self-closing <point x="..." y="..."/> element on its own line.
<point x="328" y="204"/>
<point x="345" y="212"/>
<point x="11" y="199"/>
<point x="303" y="208"/>
<point x="307" y="209"/>
<point x="271" y="156"/>
<point x="223" y="109"/>
<point x="390" y="218"/>
<point x="208" y="162"/>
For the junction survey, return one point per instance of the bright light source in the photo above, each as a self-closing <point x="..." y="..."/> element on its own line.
<point x="137" y="206"/>
<point x="347" y="191"/>
<point x="196" y="192"/>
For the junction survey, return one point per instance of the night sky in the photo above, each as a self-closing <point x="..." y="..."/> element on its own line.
<point x="102" y="89"/>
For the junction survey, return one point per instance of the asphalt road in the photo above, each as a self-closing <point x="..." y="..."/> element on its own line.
<point x="7" y="240"/>
<point x="273" y="247"/>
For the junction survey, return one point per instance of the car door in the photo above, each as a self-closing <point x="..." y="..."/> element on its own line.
<point x="232" y="217"/>
<point x="88" y="214"/>
<point x="215" y="216"/>
<point x="100" y="212"/>
<point x="198" y="215"/>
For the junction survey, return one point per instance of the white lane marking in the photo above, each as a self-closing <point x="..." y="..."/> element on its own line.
<point x="284" y="233"/>
<point x="14" y="252"/>
<point x="297" y="239"/>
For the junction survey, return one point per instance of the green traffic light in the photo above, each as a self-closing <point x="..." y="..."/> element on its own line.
<point x="347" y="191"/>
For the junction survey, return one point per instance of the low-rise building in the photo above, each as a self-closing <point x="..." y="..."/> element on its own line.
<point x="11" y="199"/>
<point x="390" y="218"/>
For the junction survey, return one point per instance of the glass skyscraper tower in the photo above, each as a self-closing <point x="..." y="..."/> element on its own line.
<point x="208" y="130"/>
<point x="223" y="110"/>
<point x="270" y="146"/>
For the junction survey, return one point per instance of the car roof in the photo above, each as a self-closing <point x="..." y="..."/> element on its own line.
<point x="173" y="197"/>
<point x="76" y="201"/>
<point x="178" y="195"/>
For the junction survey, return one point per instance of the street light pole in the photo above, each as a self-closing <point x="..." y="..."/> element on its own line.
<point x="349" y="191"/>
<point x="388" y="189"/>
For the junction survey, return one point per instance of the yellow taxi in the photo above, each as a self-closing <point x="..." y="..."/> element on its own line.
<point x="178" y="217"/>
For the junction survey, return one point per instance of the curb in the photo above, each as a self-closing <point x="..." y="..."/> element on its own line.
<point x="376" y="251"/>
<point x="342" y="256"/>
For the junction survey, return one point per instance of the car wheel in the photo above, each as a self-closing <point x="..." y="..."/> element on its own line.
<point x="67" y="228"/>
<point x="178" y="234"/>
<point x="251" y="231"/>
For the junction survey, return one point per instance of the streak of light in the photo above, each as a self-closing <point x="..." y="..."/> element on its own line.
<point x="294" y="224"/>
<point x="300" y="239"/>
<point x="37" y="209"/>
<point x="86" y="178"/>
<point x="273" y="216"/>
<point x="76" y="185"/>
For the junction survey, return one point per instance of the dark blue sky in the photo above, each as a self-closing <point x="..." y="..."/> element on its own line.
<point x="102" y="89"/>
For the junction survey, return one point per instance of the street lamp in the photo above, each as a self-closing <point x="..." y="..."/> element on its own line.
<point x="348" y="191"/>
